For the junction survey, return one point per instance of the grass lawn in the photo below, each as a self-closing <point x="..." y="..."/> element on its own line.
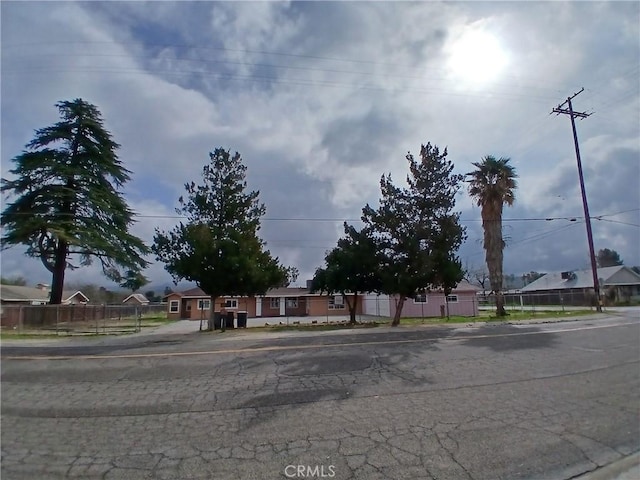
<point x="128" y="325"/>
<point x="483" y="317"/>
<point x="317" y="327"/>
<point x="109" y="327"/>
<point x="7" y="335"/>
<point x="514" y="316"/>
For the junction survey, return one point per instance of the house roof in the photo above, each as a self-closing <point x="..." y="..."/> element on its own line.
<point x="288" y="292"/>
<point x="66" y="296"/>
<point x="282" y="292"/>
<point x="138" y="297"/>
<point x="607" y="276"/>
<point x="274" y="292"/>
<point x="18" y="293"/>
<point x="465" y="286"/>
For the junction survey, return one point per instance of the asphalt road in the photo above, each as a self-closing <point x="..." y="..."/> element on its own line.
<point x="546" y="401"/>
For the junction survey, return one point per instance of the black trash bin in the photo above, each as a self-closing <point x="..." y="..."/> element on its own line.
<point x="229" y="322"/>
<point x="217" y="321"/>
<point x="242" y="319"/>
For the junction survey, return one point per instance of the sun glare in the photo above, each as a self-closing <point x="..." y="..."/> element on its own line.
<point x="476" y="57"/>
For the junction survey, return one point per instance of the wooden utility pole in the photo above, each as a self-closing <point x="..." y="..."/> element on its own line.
<point x="569" y="111"/>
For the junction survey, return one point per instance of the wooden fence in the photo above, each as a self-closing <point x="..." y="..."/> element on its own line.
<point x="77" y="318"/>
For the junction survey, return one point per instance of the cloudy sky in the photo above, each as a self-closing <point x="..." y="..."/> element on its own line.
<point x="322" y="98"/>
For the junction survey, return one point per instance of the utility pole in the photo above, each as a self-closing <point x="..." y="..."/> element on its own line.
<point x="569" y="111"/>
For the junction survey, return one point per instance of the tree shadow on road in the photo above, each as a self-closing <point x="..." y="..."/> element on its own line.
<point x="502" y="338"/>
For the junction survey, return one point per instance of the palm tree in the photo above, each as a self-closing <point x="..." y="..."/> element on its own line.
<point x="492" y="186"/>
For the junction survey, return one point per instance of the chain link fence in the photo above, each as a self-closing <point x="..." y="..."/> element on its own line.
<point x="78" y="319"/>
<point x="560" y="300"/>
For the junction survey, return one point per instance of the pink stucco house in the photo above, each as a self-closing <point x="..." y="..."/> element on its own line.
<point x="461" y="302"/>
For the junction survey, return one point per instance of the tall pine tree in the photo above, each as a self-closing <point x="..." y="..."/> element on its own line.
<point x="68" y="202"/>
<point x="416" y="229"/>
<point x="218" y="246"/>
<point x="350" y="268"/>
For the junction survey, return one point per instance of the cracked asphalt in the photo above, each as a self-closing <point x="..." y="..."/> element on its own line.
<point x="541" y="401"/>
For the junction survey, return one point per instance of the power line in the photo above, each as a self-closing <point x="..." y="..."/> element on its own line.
<point x="274" y="81"/>
<point x="311" y="219"/>
<point x="441" y="75"/>
<point x="262" y="52"/>
<point x="617" y="213"/>
<point x="333" y="220"/>
<point x="617" y="221"/>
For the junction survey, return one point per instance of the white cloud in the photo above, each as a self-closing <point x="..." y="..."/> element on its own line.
<point x="354" y="86"/>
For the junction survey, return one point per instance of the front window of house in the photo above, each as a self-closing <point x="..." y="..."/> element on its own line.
<point x="420" y="298"/>
<point x="336" y="302"/>
<point x="452" y="298"/>
<point x="274" y="303"/>
<point x="231" y="303"/>
<point x="204" y="304"/>
<point x="292" y="303"/>
<point x="174" y="306"/>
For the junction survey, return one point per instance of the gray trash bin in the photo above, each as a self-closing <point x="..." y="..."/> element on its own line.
<point x="217" y="321"/>
<point x="229" y="320"/>
<point x="242" y="319"/>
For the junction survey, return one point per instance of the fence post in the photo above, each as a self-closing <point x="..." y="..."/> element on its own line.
<point x="57" y="317"/>
<point x="521" y="304"/>
<point x="21" y="319"/>
<point x="327" y="309"/>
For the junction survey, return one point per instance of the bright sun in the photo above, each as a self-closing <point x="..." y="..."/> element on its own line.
<point x="476" y="57"/>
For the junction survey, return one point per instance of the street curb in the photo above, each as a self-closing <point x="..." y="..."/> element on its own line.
<point x="627" y="468"/>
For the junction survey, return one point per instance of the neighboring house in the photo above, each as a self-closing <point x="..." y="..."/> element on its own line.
<point x="462" y="302"/>
<point x="576" y="287"/>
<point x="136" y="299"/>
<point x="19" y="295"/>
<point x="194" y="304"/>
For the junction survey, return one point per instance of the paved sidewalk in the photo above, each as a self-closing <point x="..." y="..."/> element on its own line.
<point x="627" y="468"/>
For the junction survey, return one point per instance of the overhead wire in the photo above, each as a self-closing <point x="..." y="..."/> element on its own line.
<point x="412" y="67"/>
<point x="277" y="81"/>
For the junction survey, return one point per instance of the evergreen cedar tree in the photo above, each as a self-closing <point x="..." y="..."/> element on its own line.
<point x="67" y="205"/>
<point x="414" y="232"/>
<point x="492" y="184"/>
<point x="608" y="258"/>
<point x="218" y="247"/>
<point x="350" y="268"/>
<point x="134" y="281"/>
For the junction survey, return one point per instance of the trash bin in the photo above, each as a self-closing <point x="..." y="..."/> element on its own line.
<point x="242" y="319"/>
<point x="217" y="321"/>
<point x="229" y="320"/>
